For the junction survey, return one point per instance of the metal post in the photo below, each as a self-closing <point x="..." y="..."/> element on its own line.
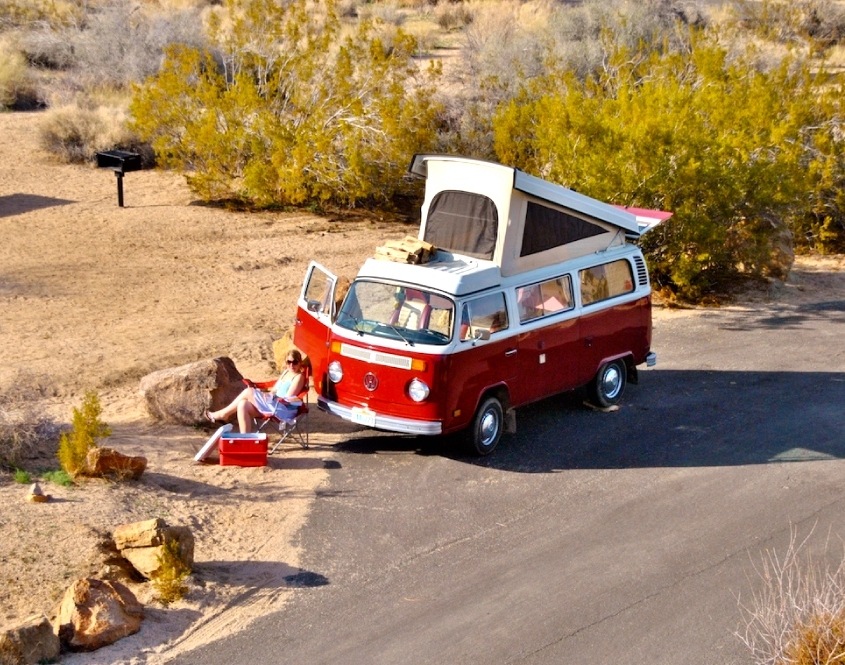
<point x="119" y="188"/>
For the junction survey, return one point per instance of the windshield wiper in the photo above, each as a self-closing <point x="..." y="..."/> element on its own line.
<point x="356" y="323"/>
<point x="396" y="330"/>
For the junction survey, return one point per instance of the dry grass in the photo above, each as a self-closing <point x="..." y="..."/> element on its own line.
<point x="798" y="616"/>
<point x="75" y="134"/>
<point x="28" y="437"/>
<point x="17" y="89"/>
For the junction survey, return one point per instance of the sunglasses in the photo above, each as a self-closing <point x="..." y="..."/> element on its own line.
<point x="292" y="362"/>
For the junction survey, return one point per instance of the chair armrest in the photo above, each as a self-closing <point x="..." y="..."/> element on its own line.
<point x="261" y="385"/>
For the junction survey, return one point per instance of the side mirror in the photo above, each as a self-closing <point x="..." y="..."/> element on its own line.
<point x="314" y="305"/>
<point x="482" y="333"/>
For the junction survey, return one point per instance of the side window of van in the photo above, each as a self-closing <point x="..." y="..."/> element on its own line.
<point x="487" y="313"/>
<point x="606" y="281"/>
<point x="545" y="298"/>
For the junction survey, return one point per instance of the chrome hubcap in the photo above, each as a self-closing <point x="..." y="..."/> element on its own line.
<point x="489" y="427"/>
<point x="611" y="381"/>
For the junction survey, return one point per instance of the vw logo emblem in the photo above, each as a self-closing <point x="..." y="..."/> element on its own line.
<point x="370" y="381"/>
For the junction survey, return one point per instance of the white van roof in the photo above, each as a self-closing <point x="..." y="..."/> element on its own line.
<point x="498" y="213"/>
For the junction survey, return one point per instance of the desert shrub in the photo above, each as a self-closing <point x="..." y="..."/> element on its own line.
<point x="387" y="12"/>
<point x="22" y="477"/>
<point x="47" y="48"/>
<point x="508" y="43"/>
<point x="87" y="430"/>
<point x="119" y="44"/>
<point x="293" y="113"/>
<point x="58" y="477"/>
<point x="723" y="145"/>
<point x="27" y="435"/>
<point x="17" y="90"/>
<point x="24" y="13"/>
<point x="169" y="579"/>
<point x="797" y="617"/>
<point x="75" y="134"/>
<point x="817" y="23"/>
<point x="452" y="16"/>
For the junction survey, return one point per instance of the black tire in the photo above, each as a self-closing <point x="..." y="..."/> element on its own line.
<point x="487" y="426"/>
<point x="608" y="384"/>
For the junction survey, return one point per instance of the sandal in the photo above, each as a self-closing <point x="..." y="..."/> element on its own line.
<point x="209" y="418"/>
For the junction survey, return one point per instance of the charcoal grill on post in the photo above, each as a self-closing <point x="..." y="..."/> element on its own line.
<point x="119" y="161"/>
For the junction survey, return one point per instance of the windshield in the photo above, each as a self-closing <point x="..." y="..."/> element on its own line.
<point x="413" y="316"/>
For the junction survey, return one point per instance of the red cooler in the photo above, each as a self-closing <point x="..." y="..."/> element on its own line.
<point x="243" y="449"/>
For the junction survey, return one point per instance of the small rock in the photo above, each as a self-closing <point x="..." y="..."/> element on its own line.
<point x="142" y="544"/>
<point x="36" y="494"/>
<point x="108" y="463"/>
<point x="94" y="613"/>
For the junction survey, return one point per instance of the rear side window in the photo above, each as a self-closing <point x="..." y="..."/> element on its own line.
<point x="604" y="281"/>
<point x="544" y="298"/>
<point x="487" y="313"/>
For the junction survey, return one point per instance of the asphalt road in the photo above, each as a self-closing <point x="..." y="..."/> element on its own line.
<point x="587" y="537"/>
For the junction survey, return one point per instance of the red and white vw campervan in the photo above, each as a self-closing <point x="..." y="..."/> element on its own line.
<point x="533" y="290"/>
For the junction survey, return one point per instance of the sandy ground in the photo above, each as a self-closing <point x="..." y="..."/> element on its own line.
<point x="95" y="297"/>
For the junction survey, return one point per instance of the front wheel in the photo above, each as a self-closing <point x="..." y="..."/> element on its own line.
<point x="607" y="386"/>
<point x="487" y="426"/>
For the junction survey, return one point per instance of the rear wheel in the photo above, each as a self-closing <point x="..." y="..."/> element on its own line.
<point x="487" y="426"/>
<point x="607" y="386"/>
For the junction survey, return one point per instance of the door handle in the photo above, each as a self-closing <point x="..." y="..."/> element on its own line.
<point x="510" y="352"/>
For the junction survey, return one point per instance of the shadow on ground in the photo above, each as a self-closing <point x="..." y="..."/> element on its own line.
<point x="671" y="419"/>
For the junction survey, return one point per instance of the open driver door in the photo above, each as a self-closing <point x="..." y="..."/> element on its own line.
<point x="315" y="311"/>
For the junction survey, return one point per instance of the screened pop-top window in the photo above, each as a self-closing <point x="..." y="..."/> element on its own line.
<point x="546" y="228"/>
<point x="606" y="281"/>
<point x="464" y="223"/>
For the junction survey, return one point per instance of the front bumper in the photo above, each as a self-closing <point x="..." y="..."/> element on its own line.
<point x="380" y="421"/>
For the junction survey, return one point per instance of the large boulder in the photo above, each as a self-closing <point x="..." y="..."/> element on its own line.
<point x="182" y="395"/>
<point x="104" y="462"/>
<point x="31" y="642"/>
<point x="95" y="613"/>
<point x="143" y="543"/>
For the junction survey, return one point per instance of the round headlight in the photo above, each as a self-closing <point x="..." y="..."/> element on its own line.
<point x="335" y="371"/>
<point x="417" y="390"/>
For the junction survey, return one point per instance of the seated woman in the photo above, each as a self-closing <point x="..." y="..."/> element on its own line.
<point x="254" y="403"/>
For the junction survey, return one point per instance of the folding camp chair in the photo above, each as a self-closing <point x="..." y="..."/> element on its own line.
<point x="295" y="427"/>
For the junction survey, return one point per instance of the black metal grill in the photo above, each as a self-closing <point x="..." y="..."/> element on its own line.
<point x="119" y="161"/>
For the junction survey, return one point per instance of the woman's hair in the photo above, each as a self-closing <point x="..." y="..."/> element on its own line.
<point x="295" y="354"/>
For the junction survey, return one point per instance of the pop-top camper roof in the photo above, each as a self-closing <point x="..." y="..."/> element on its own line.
<point x="501" y="214"/>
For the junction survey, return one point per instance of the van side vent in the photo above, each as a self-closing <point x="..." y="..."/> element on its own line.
<point x="642" y="272"/>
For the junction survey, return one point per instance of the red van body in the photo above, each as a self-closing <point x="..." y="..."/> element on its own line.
<point x="495" y="319"/>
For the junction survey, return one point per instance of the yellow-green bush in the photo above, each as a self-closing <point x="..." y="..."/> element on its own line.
<point x="169" y="579"/>
<point x="87" y="430"/>
<point x="735" y="152"/>
<point x="291" y="111"/>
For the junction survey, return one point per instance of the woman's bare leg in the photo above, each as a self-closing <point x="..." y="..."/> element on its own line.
<point x="247" y="412"/>
<point x="228" y="411"/>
